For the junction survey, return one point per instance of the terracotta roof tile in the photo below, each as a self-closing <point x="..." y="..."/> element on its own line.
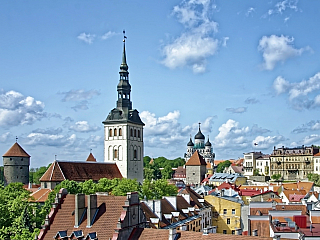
<point x="41" y="195"/>
<point x="80" y="171"/>
<point x="290" y="207"/>
<point x="91" y="158"/>
<point x="110" y="208"/>
<point x="196" y="160"/>
<point x="16" y="151"/>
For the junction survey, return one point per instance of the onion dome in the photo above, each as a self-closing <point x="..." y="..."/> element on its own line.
<point x="208" y="143"/>
<point x="199" y="135"/>
<point x="190" y="143"/>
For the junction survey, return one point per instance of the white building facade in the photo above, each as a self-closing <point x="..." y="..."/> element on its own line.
<point x="123" y="130"/>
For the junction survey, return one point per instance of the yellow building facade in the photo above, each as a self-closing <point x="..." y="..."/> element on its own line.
<point x="226" y="214"/>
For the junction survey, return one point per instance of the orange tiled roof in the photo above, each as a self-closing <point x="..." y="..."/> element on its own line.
<point x="110" y="208"/>
<point x="196" y="160"/>
<point x="80" y="171"/>
<point x="41" y="195"/>
<point x="16" y="151"/>
<point x="290" y="207"/>
<point x="91" y="158"/>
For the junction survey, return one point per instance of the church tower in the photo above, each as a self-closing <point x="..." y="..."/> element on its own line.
<point x="16" y="163"/>
<point x="123" y="130"/>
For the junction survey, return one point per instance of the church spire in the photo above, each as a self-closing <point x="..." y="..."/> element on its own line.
<point x="124" y="87"/>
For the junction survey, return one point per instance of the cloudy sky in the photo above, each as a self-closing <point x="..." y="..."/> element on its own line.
<point x="248" y="71"/>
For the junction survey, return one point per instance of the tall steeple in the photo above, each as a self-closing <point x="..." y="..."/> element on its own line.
<point x="124" y="87"/>
<point x="123" y="141"/>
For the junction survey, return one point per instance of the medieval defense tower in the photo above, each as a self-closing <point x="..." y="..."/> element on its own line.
<point x="16" y="165"/>
<point x="123" y="130"/>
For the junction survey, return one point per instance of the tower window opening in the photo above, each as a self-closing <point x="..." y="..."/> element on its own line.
<point x="124" y="96"/>
<point x="120" y="132"/>
<point x="119" y="95"/>
<point x="110" y="133"/>
<point x="138" y="133"/>
<point x="115" y="132"/>
<point x="135" y="133"/>
<point x="131" y="132"/>
<point x="115" y="153"/>
<point x="135" y="153"/>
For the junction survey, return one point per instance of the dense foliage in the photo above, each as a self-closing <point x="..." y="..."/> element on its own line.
<point x="19" y="219"/>
<point x="313" y="177"/>
<point x="160" y="168"/>
<point x="276" y="176"/>
<point x="221" y="166"/>
<point x="36" y="173"/>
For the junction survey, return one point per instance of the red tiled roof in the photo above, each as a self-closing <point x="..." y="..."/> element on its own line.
<point x="196" y="160"/>
<point x="290" y="207"/>
<point x="16" y="151"/>
<point x="80" y="171"/>
<point x="295" y="197"/>
<point x="91" y="158"/>
<point x="110" y="209"/>
<point x="41" y="195"/>
<point x="180" y="172"/>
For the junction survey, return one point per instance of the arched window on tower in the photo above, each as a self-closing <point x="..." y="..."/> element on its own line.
<point x="115" y="132"/>
<point x="138" y="133"/>
<point x="135" y="133"/>
<point x="115" y="153"/>
<point x="110" y="132"/>
<point x="135" y="154"/>
<point x="120" y="132"/>
<point x="131" y="132"/>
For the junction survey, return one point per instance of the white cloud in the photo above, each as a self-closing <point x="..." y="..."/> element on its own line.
<point x="196" y="44"/>
<point x="311" y="139"/>
<point x="87" y="38"/>
<point x="277" y="49"/>
<point x="78" y="95"/>
<point x="307" y="127"/>
<point x="15" y="109"/>
<point x="46" y="139"/>
<point x="237" y="110"/>
<point x="83" y="126"/>
<point x="108" y="35"/>
<point x="267" y="142"/>
<point x="4" y="137"/>
<point x="224" y="43"/>
<point x="250" y="11"/>
<point x="298" y="93"/>
<point x="283" y="6"/>
<point x="167" y="132"/>
<point x="231" y="135"/>
<point x="251" y="101"/>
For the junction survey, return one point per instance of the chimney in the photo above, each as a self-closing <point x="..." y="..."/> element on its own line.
<point x="222" y="193"/>
<point x="172" y="233"/>
<point x="255" y="232"/>
<point x="92" y="209"/>
<point x="79" y="209"/>
<point x="205" y="231"/>
<point x="237" y="231"/>
<point x="156" y="208"/>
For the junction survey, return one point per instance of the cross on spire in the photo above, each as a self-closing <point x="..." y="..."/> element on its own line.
<point x="16" y="138"/>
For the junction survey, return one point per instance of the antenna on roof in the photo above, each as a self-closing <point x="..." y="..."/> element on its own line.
<point x="90" y="150"/>
<point x="55" y="157"/>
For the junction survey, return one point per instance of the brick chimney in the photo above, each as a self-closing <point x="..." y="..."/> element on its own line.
<point x="79" y="209"/>
<point x="92" y="209"/>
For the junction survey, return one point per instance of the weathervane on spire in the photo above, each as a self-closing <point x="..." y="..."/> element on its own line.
<point x="16" y="138"/>
<point x="124" y="36"/>
<point x="199" y="125"/>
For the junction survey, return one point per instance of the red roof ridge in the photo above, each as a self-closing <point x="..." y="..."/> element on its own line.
<point x="91" y="158"/>
<point x="16" y="151"/>
<point x="196" y="160"/>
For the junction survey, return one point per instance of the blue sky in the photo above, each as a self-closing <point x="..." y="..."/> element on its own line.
<point x="248" y="71"/>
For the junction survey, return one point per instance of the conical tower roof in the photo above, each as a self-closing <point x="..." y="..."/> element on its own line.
<point x="208" y="143"/>
<point x="16" y="151"/>
<point x="196" y="160"/>
<point x="91" y="158"/>
<point x="199" y="135"/>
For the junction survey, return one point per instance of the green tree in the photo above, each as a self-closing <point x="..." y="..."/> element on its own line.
<point x="221" y="166"/>
<point x="276" y="176"/>
<point x="17" y="215"/>
<point x="167" y="172"/>
<point x="106" y="185"/>
<point x="148" y="173"/>
<point x="88" y="187"/>
<point x="156" y="189"/>
<point x="72" y="187"/>
<point x="146" y="161"/>
<point x="126" y="185"/>
<point x="256" y="172"/>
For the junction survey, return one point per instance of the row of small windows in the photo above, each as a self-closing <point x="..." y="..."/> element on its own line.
<point x="115" y="132"/>
<point x="133" y="132"/>
<point x="115" y="153"/>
